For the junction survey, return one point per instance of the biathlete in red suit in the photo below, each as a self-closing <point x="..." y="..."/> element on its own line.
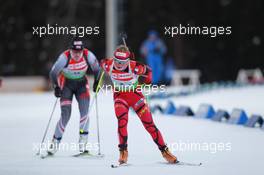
<point x="125" y="74"/>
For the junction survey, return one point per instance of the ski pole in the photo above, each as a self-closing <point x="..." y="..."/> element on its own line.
<point x="97" y="116"/>
<point x="46" y="130"/>
<point x="124" y="37"/>
<point x="97" y="126"/>
<point x="94" y="99"/>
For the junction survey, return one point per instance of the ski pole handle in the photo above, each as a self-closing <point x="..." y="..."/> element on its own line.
<point x="99" y="83"/>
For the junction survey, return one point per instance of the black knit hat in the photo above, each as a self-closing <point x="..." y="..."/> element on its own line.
<point x="77" y="44"/>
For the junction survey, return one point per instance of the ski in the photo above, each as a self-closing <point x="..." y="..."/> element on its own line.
<point x="88" y="155"/>
<point x="81" y="155"/>
<point x="119" y="165"/>
<point x="187" y="163"/>
<point x="47" y="155"/>
<point x="180" y="163"/>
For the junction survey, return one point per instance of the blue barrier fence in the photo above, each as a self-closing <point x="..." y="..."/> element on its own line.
<point x="207" y="111"/>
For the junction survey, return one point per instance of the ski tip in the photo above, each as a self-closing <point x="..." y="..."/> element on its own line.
<point x="114" y="166"/>
<point x="43" y="156"/>
<point x="187" y="163"/>
<point x="118" y="165"/>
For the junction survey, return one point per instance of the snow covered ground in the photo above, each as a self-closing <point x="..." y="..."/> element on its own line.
<point x="23" y="118"/>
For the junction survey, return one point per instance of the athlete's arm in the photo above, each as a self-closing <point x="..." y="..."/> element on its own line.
<point x="145" y="73"/>
<point x="57" y="68"/>
<point x="92" y="60"/>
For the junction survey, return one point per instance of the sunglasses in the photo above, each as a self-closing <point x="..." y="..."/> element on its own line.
<point x="121" y="62"/>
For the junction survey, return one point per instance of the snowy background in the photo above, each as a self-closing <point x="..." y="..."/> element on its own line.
<point x="23" y="118"/>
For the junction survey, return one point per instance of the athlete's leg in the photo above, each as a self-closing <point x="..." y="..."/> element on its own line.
<point x="142" y="109"/>
<point x="121" y="111"/>
<point x="65" y="103"/>
<point x="83" y="99"/>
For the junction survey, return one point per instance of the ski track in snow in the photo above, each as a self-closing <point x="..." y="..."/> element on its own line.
<point x="23" y="118"/>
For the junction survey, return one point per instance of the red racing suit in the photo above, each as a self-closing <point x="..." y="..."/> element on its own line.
<point x="130" y="97"/>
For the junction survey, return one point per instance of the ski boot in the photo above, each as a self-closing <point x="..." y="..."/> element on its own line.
<point x="123" y="156"/>
<point x="83" y="140"/>
<point x="168" y="156"/>
<point x="54" y="146"/>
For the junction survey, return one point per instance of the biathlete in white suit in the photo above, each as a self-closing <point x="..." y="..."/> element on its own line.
<point x="69" y="78"/>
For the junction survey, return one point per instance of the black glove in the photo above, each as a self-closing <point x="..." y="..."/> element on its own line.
<point x="141" y="80"/>
<point x="95" y="85"/>
<point x="57" y="91"/>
